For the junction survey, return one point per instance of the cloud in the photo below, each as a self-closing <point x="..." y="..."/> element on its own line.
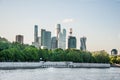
<point x="68" y="21"/>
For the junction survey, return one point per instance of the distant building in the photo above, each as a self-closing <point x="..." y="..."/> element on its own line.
<point x="61" y="37"/>
<point x="37" y="40"/>
<point x="19" y="39"/>
<point x="72" y="42"/>
<point x="36" y="33"/>
<point x="54" y="43"/>
<point x="83" y="43"/>
<point x="46" y="38"/>
<point x="114" y="52"/>
<point x="64" y="39"/>
<point x="58" y="29"/>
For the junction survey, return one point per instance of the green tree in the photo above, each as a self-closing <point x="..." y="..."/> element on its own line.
<point x="31" y="54"/>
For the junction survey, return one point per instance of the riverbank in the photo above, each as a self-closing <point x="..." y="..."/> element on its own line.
<point x="32" y="65"/>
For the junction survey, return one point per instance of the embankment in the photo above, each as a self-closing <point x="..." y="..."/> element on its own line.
<point x="31" y="65"/>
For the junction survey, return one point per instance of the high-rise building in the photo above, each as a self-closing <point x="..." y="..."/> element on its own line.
<point x="61" y="37"/>
<point x="43" y="31"/>
<point x="46" y="38"/>
<point x="83" y="43"/>
<point x="37" y="40"/>
<point x="19" y="39"/>
<point x="36" y="33"/>
<point x="64" y="38"/>
<point x="54" y="43"/>
<point x="58" y="29"/>
<point x="72" y="42"/>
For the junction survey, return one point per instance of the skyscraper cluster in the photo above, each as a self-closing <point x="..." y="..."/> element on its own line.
<point x="57" y="41"/>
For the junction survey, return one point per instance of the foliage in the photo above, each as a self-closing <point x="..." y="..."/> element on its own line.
<point x="17" y="52"/>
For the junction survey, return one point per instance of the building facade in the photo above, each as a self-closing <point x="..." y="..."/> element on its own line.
<point x="37" y="40"/>
<point x="72" y="42"/>
<point x="45" y="38"/>
<point x="19" y="39"/>
<point x="83" y="43"/>
<point x="36" y="33"/>
<point x="54" y="43"/>
<point x="61" y="37"/>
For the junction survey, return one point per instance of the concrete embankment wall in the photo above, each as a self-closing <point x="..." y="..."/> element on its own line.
<point x="90" y="65"/>
<point x="19" y="65"/>
<point x="29" y="65"/>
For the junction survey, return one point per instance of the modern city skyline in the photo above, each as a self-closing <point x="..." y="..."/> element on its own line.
<point x="98" y="20"/>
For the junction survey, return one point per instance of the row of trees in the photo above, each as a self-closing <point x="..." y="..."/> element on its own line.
<point x="115" y="59"/>
<point x="16" y="52"/>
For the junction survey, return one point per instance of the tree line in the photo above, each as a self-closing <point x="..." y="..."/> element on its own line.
<point x="16" y="52"/>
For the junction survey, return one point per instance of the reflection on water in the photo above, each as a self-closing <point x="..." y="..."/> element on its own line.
<point x="61" y="74"/>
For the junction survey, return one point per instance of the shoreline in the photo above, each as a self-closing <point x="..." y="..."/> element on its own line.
<point x="42" y="64"/>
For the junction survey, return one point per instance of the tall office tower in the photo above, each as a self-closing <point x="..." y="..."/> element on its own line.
<point x="83" y="43"/>
<point x="64" y="38"/>
<point x="36" y="33"/>
<point x="58" y="29"/>
<point x="45" y="38"/>
<point x="54" y="43"/>
<point x="61" y="37"/>
<point x="37" y="39"/>
<point x="71" y="40"/>
<point x="19" y="39"/>
<point x="48" y="39"/>
<point x="60" y="40"/>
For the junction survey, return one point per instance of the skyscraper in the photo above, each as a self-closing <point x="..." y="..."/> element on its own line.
<point x="19" y="39"/>
<point x="61" y="37"/>
<point x="37" y="40"/>
<point x="54" y="43"/>
<point x="64" y="38"/>
<point x="83" y="43"/>
<point x="46" y="38"/>
<point x="36" y="33"/>
<point x="72" y="42"/>
<point x="43" y="37"/>
<point x="58" y="29"/>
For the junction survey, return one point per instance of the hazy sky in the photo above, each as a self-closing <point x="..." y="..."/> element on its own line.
<point x="98" y="20"/>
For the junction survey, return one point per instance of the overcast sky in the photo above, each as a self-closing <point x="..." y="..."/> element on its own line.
<point x="98" y="20"/>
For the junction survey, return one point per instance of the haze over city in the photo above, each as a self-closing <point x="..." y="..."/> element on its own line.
<point x="98" y="20"/>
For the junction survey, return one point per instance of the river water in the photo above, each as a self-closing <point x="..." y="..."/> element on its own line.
<point x="61" y="74"/>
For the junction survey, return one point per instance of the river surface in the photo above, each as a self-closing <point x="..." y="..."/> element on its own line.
<point x="61" y="74"/>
